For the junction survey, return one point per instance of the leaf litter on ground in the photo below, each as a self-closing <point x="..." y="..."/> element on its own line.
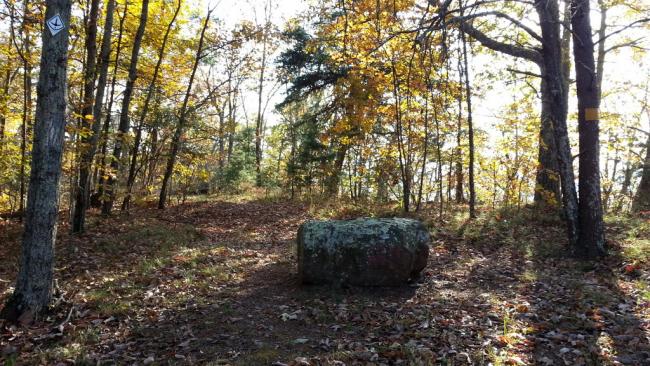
<point x="216" y="282"/>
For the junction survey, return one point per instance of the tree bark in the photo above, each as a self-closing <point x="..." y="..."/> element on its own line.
<point x="547" y="187"/>
<point x="88" y="118"/>
<point x="259" y="125"/>
<point x="470" y="129"/>
<point x="591" y="241"/>
<point x="124" y="126"/>
<point x="426" y="148"/>
<point x="600" y="61"/>
<point x="33" y="289"/>
<point x="553" y="76"/>
<point x="5" y="97"/>
<point x="178" y="133"/>
<point x="554" y="97"/>
<point x="27" y="101"/>
<point x="103" y="180"/>
<point x="145" y="109"/>
<point x="460" y="196"/>
<point x="641" y="202"/>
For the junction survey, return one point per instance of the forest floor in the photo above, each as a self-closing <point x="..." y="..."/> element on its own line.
<point x="214" y="282"/>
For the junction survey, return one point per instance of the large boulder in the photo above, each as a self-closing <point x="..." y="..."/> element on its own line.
<point x="362" y="252"/>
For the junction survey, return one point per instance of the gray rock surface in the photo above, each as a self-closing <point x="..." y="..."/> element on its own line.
<point x="362" y="252"/>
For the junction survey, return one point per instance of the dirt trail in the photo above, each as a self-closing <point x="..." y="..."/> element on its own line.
<point x="215" y="283"/>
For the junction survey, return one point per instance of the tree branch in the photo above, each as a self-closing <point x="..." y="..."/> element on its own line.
<point x="528" y="73"/>
<point x="512" y="50"/>
<point x="639" y="21"/>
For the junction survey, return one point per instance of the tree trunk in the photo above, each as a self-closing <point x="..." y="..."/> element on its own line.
<point x="27" y="101"/>
<point x="547" y="187"/>
<point x="222" y="138"/>
<point x="176" y="139"/>
<point x="5" y="97"/>
<point x="124" y="126"/>
<point x="88" y="118"/>
<point x="334" y="179"/>
<point x="549" y="58"/>
<point x="557" y="100"/>
<point x="153" y="149"/>
<point x="33" y="289"/>
<point x="103" y="180"/>
<point x="426" y="149"/>
<point x="145" y="109"/>
<point x="470" y="129"/>
<point x="259" y="125"/>
<point x="600" y="62"/>
<point x="641" y="201"/>
<point x="460" y="196"/>
<point x="592" y="238"/>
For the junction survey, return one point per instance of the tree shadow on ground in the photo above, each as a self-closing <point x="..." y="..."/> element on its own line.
<point x="215" y="283"/>
<point x="562" y="311"/>
<point x="269" y="317"/>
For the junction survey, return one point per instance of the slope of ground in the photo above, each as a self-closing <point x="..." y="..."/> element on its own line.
<point x="214" y="283"/>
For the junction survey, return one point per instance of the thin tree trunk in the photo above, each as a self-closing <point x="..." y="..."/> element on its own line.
<point x="641" y="201"/>
<point x="104" y="63"/>
<point x="145" y="110"/>
<point x="460" y="196"/>
<point x="124" y="126"/>
<point x="222" y="138"/>
<point x="440" y="163"/>
<point x="103" y="180"/>
<point x="607" y="193"/>
<point x="470" y="130"/>
<point x="332" y="185"/>
<point x="426" y="151"/>
<point x="403" y="153"/>
<point x="591" y="238"/>
<point x="27" y="102"/>
<point x="600" y="63"/>
<point x="33" y="289"/>
<point x="88" y="143"/>
<point x="260" y="119"/>
<point x="152" y="158"/>
<point x="176" y="139"/>
<point x="5" y="97"/>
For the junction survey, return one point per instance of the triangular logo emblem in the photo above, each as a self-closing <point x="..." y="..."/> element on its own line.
<point x="55" y="24"/>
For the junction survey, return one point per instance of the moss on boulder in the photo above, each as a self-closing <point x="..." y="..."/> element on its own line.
<point x="362" y="252"/>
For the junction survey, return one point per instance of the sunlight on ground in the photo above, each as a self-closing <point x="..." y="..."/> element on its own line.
<point x="214" y="281"/>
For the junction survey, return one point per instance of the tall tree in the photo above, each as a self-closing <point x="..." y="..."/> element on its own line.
<point x="102" y="163"/>
<point x="470" y="126"/>
<point x="24" y="51"/>
<point x="182" y="118"/>
<point x="4" y="99"/>
<point x="145" y="109"/>
<point x="259" y="122"/>
<point x="555" y="149"/>
<point x="88" y="138"/>
<point x="124" y="126"/>
<point x="641" y="201"/>
<point x="555" y="96"/>
<point x="592" y="238"/>
<point x="33" y="289"/>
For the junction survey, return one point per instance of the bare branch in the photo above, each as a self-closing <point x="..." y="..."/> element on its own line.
<point x="639" y="21"/>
